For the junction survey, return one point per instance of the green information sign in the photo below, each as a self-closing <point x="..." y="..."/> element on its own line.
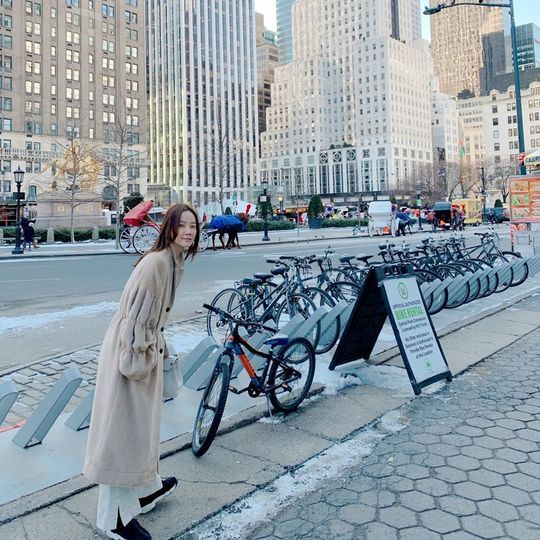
<point x="397" y="297"/>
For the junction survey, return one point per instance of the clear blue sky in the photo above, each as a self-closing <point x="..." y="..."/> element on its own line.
<point x="526" y="11"/>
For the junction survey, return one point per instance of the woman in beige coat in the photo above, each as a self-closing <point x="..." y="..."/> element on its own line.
<point x="122" y="452"/>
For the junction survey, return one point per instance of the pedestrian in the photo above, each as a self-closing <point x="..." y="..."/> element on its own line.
<point x="432" y="220"/>
<point x="403" y="222"/>
<point x="122" y="452"/>
<point x="28" y="228"/>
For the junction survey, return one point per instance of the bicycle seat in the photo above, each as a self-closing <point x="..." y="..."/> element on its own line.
<point x="262" y="276"/>
<point x="364" y="258"/>
<point x="279" y="270"/>
<point x="346" y="258"/>
<point x="278" y="339"/>
<point x="251" y="281"/>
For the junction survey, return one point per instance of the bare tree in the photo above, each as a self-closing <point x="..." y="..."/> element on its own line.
<point x="501" y="174"/>
<point x="119" y="159"/>
<point x="220" y="159"/>
<point x="75" y="173"/>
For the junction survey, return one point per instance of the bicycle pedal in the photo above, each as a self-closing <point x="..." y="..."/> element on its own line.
<point x="233" y="390"/>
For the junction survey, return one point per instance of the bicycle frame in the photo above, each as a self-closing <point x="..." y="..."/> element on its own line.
<point x="274" y="295"/>
<point x="257" y="382"/>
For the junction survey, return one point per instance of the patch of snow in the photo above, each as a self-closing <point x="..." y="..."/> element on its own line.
<point x="18" y="324"/>
<point x="393" y="421"/>
<point x="185" y="341"/>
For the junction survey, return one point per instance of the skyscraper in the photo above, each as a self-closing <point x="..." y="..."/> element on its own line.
<point x="267" y="60"/>
<point x="203" y="99"/>
<point x="456" y="45"/>
<point x="352" y="112"/>
<point x="284" y="30"/>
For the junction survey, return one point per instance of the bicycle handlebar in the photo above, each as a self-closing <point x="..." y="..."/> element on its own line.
<point x="240" y="322"/>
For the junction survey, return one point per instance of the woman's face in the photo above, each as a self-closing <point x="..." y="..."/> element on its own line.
<point x="186" y="230"/>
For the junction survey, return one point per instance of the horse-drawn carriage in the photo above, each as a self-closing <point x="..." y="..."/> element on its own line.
<point x="140" y="231"/>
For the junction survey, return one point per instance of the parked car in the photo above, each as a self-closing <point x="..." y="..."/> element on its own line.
<point x="496" y="215"/>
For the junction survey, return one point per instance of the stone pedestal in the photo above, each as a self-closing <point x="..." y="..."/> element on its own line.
<point x="53" y="210"/>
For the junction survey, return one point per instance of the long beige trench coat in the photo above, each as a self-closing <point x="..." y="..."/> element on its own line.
<point x="123" y="443"/>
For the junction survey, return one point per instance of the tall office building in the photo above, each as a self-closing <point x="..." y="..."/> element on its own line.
<point x="456" y="45"/>
<point x="498" y="69"/>
<point x="203" y="99"/>
<point x="284" y="30"/>
<point x="351" y="114"/>
<point x="267" y="60"/>
<point x="71" y="70"/>
<point x="528" y="46"/>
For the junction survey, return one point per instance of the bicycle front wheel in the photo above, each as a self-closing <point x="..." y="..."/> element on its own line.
<point x="291" y="374"/>
<point x="298" y="303"/>
<point x="232" y="301"/>
<point x="328" y="338"/>
<point x="211" y="408"/>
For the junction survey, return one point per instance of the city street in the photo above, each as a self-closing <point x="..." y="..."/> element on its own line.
<point x="54" y="305"/>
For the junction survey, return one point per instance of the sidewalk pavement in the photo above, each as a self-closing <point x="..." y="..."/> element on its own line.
<point x="107" y="247"/>
<point x="252" y="455"/>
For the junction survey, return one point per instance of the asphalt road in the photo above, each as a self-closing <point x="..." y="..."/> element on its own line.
<point x="56" y="305"/>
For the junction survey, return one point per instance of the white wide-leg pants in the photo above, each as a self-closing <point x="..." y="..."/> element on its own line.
<point x="123" y="500"/>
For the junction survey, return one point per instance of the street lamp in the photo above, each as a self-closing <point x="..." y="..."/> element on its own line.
<point x="263" y="199"/>
<point x="419" y="204"/>
<point x="517" y="84"/>
<point x="18" y="175"/>
<point x="280" y="199"/>
<point x="484" y="190"/>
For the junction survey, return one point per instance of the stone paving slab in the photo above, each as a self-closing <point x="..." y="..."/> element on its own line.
<point x="278" y="443"/>
<point x="342" y="415"/>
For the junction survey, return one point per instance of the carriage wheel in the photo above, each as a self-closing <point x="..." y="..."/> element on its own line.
<point x="145" y="237"/>
<point x="204" y="240"/>
<point x="126" y="240"/>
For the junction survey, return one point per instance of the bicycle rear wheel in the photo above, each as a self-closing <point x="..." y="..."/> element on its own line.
<point x="211" y="407"/>
<point x="291" y="374"/>
<point x="344" y="290"/>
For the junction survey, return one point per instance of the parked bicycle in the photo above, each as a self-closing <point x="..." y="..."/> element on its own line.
<point x="261" y="300"/>
<point x="285" y="378"/>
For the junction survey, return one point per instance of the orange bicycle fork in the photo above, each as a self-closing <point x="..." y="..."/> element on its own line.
<point x="233" y="343"/>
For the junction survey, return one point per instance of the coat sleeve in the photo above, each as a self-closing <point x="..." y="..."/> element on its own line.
<point x="138" y="332"/>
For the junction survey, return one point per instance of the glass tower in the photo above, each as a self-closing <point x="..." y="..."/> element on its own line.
<point x="284" y="30"/>
<point x="203" y="98"/>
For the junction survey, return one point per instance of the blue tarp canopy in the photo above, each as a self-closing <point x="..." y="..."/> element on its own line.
<point x="227" y="223"/>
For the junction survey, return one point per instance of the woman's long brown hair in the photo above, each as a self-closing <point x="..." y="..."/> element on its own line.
<point x="169" y="229"/>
